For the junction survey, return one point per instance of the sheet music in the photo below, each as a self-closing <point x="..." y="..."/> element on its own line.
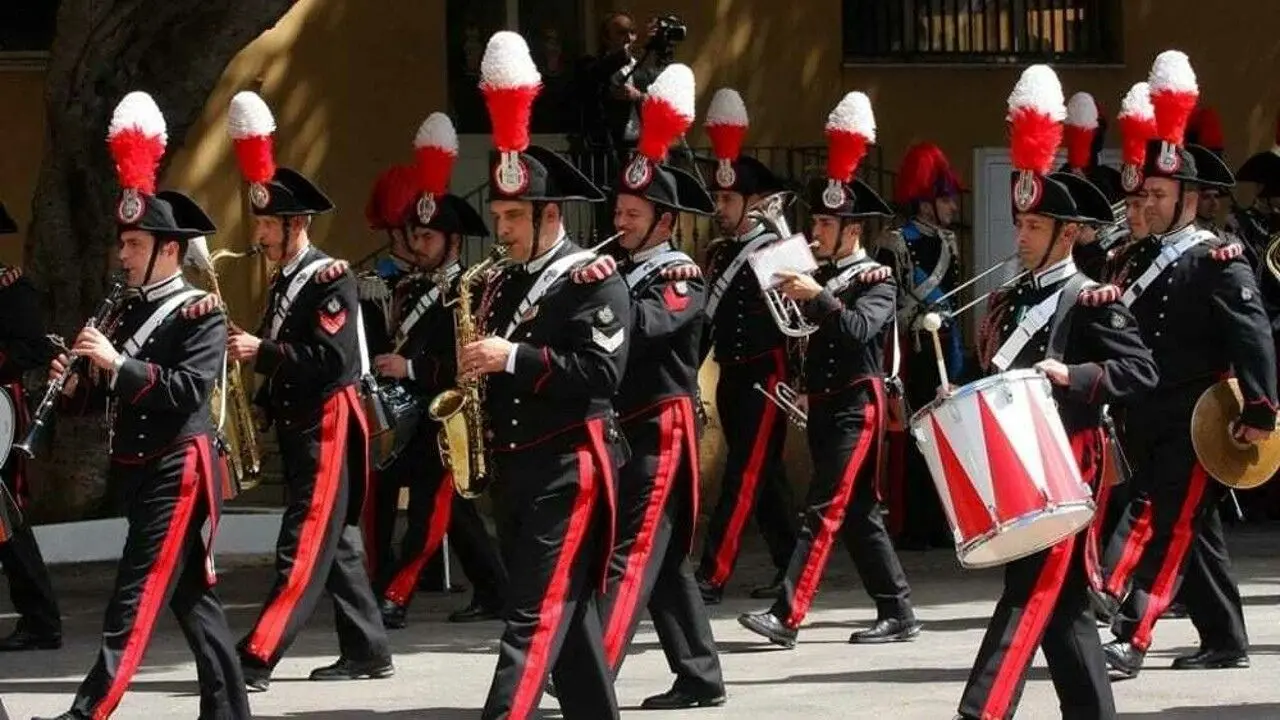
<point x="792" y="254"/>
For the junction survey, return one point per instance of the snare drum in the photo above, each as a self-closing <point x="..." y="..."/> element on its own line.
<point x="1003" y="467"/>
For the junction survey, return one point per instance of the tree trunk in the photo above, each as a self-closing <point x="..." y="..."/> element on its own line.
<point x="176" y="50"/>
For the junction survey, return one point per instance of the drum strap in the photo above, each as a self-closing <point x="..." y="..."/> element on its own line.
<point x="1033" y="322"/>
<point x="1060" y="330"/>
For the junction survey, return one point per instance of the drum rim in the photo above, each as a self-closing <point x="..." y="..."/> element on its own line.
<point x="8" y="405"/>
<point x="1019" y="375"/>
<point x="970" y="546"/>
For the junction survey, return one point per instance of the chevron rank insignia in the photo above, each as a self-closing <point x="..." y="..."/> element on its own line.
<point x="608" y="343"/>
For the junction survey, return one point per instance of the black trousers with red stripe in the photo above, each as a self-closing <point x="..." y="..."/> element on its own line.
<point x="434" y="509"/>
<point x="1171" y="529"/>
<point x="1045" y="604"/>
<point x="164" y="563"/>
<point x="29" y="587"/>
<point x="650" y="562"/>
<point x="553" y="518"/>
<point x="754" y="479"/>
<point x="843" y="431"/>
<point x="923" y="521"/>
<point x="317" y="551"/>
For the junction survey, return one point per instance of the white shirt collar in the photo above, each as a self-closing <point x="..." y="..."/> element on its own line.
<point x="537" y="264"/>
<point x="1177" y="235"/>
<point x="856" y="256"/>
<point x="642" y="255"/>
<point x="293" y="264"/>
<point x="1056" y="272"/>
<point x="163" y="288"/>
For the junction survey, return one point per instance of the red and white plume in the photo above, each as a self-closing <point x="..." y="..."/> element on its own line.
<point x="1137" y="121"/>
<point x="1036" y="112"/>
<point x="851" y="127"/>
<point x="435" y="148"/>
<point x="251" y="125"/>
<point x="510" y="83"/>
<point x="136" y="138"/>
<point x="1173" y="94"/>
<point x="726" y="124"/>
<point x="667" y="111"/>
<point x="1082" y="125"/>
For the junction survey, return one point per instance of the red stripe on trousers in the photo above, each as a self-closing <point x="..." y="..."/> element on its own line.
<point x="406" y="580"/>
<point x="532" y="677"/>
<point x="742" y="504"/>
<point x="1134" y="545"/>
<point x="832" y="519"/>
<point x="689" y="423"/>
<point x="628" y="594"/>
<point x="364" y="479"/>
<point x="155" y="586"/>
<point x="1183" y="534"/>
<point x="1030" y="629"/>
<point x="275" y="617"/>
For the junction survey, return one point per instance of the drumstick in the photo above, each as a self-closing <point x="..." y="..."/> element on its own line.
<point x="932" y="323"/>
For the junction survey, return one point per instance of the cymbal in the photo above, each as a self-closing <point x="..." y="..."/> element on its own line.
<point x="1237" y="465"/>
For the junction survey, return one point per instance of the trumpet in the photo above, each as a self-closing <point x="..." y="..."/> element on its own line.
<point x="786" y="398"/>
<point x="785" y="311"/>
<point x="40" y="419"/>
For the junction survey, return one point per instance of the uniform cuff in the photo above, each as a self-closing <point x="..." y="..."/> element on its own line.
<point x="133" y="380"/>
<point x="513" y="357"/>
<point x="270" y="355"/>
<point x="1258" y="415"/>
<point x="823" y="305"/>
<point x="412" y="375"/>
<point x="1083" y="380"/>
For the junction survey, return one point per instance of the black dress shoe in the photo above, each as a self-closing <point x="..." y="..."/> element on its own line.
<point x="1212" y="660"/>
<point x="475" y="612"/>
<point x="772" y="591"/>
<point x="711" y="594"/>
<point x="346" y="669"/>
<point x="393" y="615"/>
<point x="23" y="639"/>
<point x="256" y="679"/>
<point x="676" y="699"/>
<point x="1123" y="658"/>
<point x="887" y="630"/>
<point x="768" y="626"/>
<point x="1175" y="610"/>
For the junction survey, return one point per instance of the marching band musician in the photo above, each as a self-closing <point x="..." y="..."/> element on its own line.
<point x="750" y="349"/>
<point x="551" y="360"/>
<point x="1092" y="354"/>
<point x="926" y="260"/>
<point x="308" y="350"/>
<point x="427" y="225"/>
<point x="852" y="300"/>
<point x="1256" y="223"/>
<point x="1084" y="135"/>
<point x="155" y="362"/>
<point x="658" y="487"/>
<point x="1202" y="317"/>
<point x="23" y="346"/>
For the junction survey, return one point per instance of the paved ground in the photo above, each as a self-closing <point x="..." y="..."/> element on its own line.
<point x="444" y="669"/>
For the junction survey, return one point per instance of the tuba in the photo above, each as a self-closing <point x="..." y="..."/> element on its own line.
<point x="785" y="311"/>
<point x="460" y="410"/>
<point x="240" y="438"/>
<point x="1272" y="255"/>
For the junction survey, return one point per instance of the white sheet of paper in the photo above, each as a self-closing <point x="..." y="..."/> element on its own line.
<point x="792" y="254"/>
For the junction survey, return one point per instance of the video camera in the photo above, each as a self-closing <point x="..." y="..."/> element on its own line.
<point x="669" y="31"/>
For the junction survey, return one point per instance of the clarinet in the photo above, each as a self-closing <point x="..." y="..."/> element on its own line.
<point x="42" y="417"/>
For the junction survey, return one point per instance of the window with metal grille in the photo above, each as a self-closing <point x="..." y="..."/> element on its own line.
<point x="982" y="32"/>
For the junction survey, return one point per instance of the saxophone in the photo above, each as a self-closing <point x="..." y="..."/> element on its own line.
<point x="460" y="410"/>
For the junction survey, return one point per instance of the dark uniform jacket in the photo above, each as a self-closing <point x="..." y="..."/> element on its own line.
<point x="1104" y="353"/>
<point x="161" y="394"/>
<point x="666" y="333"/>
<point x="1202" y="318"/>
<point x="571" y="349"/>
<point x="853" y="322"/>
<point x="316" y="351"/>
<point x="429" y="346"/>
<point x="23" y="344"/>
<point x="742" y="328"/>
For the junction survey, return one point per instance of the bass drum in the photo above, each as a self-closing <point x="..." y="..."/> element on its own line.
<point x="8" y="424"/>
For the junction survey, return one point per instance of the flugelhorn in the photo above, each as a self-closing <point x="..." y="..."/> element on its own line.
<point x="786" y="312"/>
<point x="786" y="398"/>
<point x="43" y="414"/>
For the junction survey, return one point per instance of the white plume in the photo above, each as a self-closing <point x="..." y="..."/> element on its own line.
<point x="853" y="114"/>
<point x="727" y="108"/>
<point x="138" y="111"/>
<point x="1039" y="89"/>
<point x="1082" y="111"/>
<point x="1137" y="102"/>
<point x="1171" y="72"/>
<point x="507" y="63"/>
<point x="437" y="131"/>
<point x="676" y="86"/>
<point x="249" y="117"/>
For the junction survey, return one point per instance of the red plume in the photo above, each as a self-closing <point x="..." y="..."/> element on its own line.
<point x="851" y="127"/>
<point x="510" y="82"/>
<point x="136" y="139"/>
<point x="726" y="124"/>
<point x="250" y="125"/>
<point x="1137" y="124"/>
<point x="925" y="174"/>
<point x="1036" y="112"/>
<point x="1206" y="127"/>
<point x="394" y="193"/>
<point x="435" y="150"/>
<point x="667" y="111"/>
<point x="1174" y="92"/>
